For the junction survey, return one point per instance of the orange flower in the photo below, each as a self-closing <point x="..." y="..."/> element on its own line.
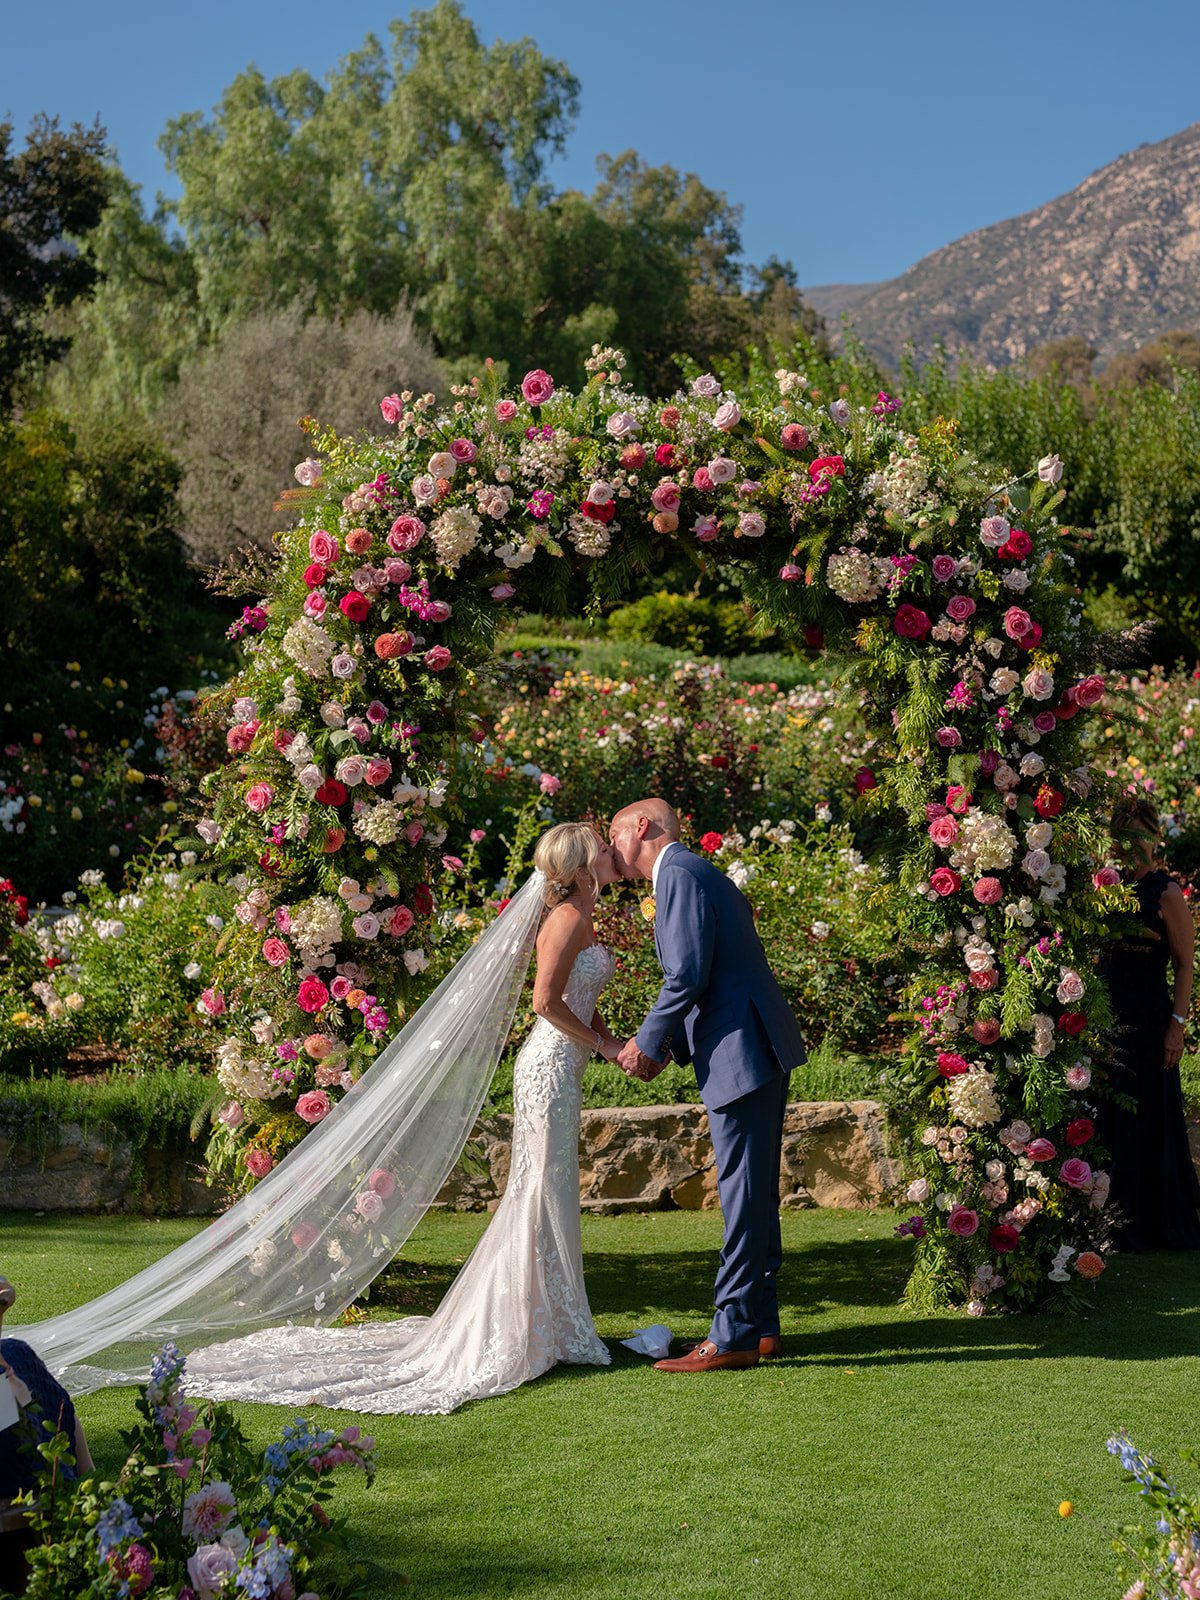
<point x="648" y="908"/>
<point x="354" y="996"/>
<point x="1089" y="1265"/>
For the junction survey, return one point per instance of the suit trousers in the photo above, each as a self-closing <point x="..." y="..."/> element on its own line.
<point x="747" y="1138"/>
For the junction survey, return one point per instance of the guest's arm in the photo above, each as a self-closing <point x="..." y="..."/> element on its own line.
<point x="1181" y="941"/>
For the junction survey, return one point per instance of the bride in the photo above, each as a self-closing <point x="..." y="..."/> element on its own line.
<point x="292" y="1254"/>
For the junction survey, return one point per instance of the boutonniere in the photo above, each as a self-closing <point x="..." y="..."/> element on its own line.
<point x="648" y="908"/>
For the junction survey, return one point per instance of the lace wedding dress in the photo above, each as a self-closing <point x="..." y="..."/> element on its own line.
<point x="517" y="1307"/>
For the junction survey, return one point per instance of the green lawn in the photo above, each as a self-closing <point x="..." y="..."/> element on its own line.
<point x="918" y="1458"/>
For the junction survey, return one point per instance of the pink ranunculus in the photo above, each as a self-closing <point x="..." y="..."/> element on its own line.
<point x="259" y="1162"/>
<point x="943" y="831"/>
<point x="1075" y="1172"/>
<point x="537" y="387"/>
<point x="405" y="534"/>
<point x="259" y="797"/>
<point x="944" y="881"/>
<point x="323" y="547"/>
<point x="1017" y="623"/>
<point x="794" y="436"/>
<point x="276" y="953"/>
<point x="437" y="659"/>
<point x="313" y="1106"/>
<point x="369" y="1205"/>
<point x="960" y="607"/>
<point x="463" y="451"/>
<point x="506" y="410"/>
<point x="383" y="1182"/>
<point x="212" y="1001"/>
<point x="949" y="738"/>
<point x="962" y="1222"/>
<point x="311" y="995"/>
<point x="1040" y="1150"/>
<point x="1090" y="692"/>
<point x="987" y="890"/>
<point x="910" y="622"/>
<point x="549" y="784"/>
<point x="702" y="479"/>
<point x="944" y="568"/>
<point x="727" y="416"/>
<point x="391" y="408"/>
<point x="985" y="1030"/>
<point x="379" y="770"/>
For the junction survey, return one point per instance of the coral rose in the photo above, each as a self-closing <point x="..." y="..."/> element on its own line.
<point x="276" y="953"/>
<point x="1088" y="1264"/>
<point x="313" y="1106"/>
<point x="963" y="1222"/>
<point x="390" y="645"/>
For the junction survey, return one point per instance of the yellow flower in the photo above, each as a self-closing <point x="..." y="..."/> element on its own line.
<point x="648" y="908"/>
<point x="76" y="814"/>
<point x="74" y="666"/>
<point x="34" y="799"/>
<point x="170" y="805"/>
<point x="132" y="775"/>
<point x="1065" y="1509"/>
<point x="76" y="780"/>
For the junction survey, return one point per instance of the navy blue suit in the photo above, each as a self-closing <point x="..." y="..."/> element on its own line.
<point x="721" y="1008"/>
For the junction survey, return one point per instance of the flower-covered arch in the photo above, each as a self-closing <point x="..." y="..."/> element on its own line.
<point x="950" y="599"/>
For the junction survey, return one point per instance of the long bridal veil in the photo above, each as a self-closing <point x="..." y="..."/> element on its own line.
<point x="333" y="1213"/>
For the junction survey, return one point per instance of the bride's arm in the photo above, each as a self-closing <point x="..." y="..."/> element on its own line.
<point x="564" y="934"/>
<point x="611" y="1045"/>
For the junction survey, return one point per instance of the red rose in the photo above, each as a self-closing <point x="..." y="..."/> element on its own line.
<point x="945" y="881"/>
<point x="312" y="995"/>
<point x="1003" y="1238"/>
<point x="1072" y="1022"/>
<point x="1048" y="802"/>
<point x="1090" y="692"/>
<point x="1067" y="707"/>
<point x="985" y="1030"/>
<point x="1080" y="1131"/>
<point x="665" y="455"/>
<point x="951" y="1065"/>
<point x="1032" y="639"/>
<point x="720" y="762"/>
<point x="315" y="575"/>
<point x="710" y="843"/>
<point x="910" y="622"/>
<point x="595" y="513"/>
<point x="865" y="779"/>
<point x="422" y="900"/>
<point x="354" y="606"/>
<point x="826" y="467"/>
<point x="814" y="637"/>
<point x="1016" y="547"/>
<point x="331" y="793"/>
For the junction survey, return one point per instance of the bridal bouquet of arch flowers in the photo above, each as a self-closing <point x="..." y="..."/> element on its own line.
<point x="195" y="1513"/>
<point x="947" y="590"/>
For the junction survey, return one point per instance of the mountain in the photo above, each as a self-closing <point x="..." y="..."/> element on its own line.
<point x="1116" y="261"/>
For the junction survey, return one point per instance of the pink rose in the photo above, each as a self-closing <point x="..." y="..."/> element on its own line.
<point x="943" y="881"/>
<point x="702" y="479"/>
<point x="962" y="1222"/>
<point x="231" y="1114"/>
<point x="910" y="622"/>
<point x="958" y="799"/>
<point x="985" y="1030"/>
<point x="1045" y="722"/>
<point x="537" y="387"/>
<point x="1017" y="623"/>
<point x="987" y="890"/>
<point x="751" y="525"/>
<point x="312" y="995"/>
<point x="727" y="416"/>
<point x="308" y="472"/>
<point x="259" y="1162"/>
<point x="506" y="410"/>
<point x="943" y="831"/>
<point x="790" y="573"/>
<point x="549" y="784"/>
<point x="437" y="659"/>
<point x="722" y="470"/>
<point x="259" y="797"/>
<point x="503" y="591"/>
<point x="405" y="534"/>
<point x="794" y="436"/>
<point x="1106" y="878"/>
<point x="1075" y="1172"/>
<point x="383" y="1182"/>
<point x="463" y="451"/>
<point x="993" y="532"/>
<point x="705" y="528"/>
<point x="313" y="1106"/>
<point x="314" y="605"/>
<point x="276" y="953"/>
<point x="959" y="607"/>
<point x="369" y="1205"/>
<point x="379" y="770"/>
<point x="944" y="568"/>
<point x="984" y="981"/>
<point x="666" y="496"/>
<point x="212" y="1001"/>
<point x="305" y="1235"/>
<point x="391" y="408"/>
<point x="1090" y="692"/>
<point x="323" y="547"/>
<point x="948" y="738"/>
<point x="1040" y="1150"/>
<point x="398" y="921"/>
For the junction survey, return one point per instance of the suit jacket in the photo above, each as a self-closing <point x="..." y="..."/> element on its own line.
<point x="720" y="1006"/>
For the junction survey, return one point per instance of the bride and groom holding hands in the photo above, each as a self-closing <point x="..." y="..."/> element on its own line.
<point x="519" y="1304"/>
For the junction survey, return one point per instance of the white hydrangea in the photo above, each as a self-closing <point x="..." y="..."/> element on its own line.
<point x="316" y="926"/>
<point x="245" y="1077"/>
<point x="972" y="1099"/>
<point x="454" y="534"/>
<point x="589" y="538"/>
<point x="985" y="844"/>
<point x="379" y="824"/>
<point x="309" y="646"/>
<point x="855" y="576"/>
<point x="900" y="487"/>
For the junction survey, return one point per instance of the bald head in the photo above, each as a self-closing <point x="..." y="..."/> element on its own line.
<point x="639" y="833"/>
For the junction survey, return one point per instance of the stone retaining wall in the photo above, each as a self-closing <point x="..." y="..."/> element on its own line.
<point x="97" y="1171"/>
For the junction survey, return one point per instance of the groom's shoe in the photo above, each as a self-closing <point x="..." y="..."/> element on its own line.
<point x="706" y="1357"/>
<point x="770" y="1347"/>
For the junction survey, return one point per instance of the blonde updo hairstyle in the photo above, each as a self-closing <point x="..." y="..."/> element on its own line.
<point x="561" y="854"/>
<point x="1136" y="811"/>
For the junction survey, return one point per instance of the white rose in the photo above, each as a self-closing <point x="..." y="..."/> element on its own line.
<point x="1016" y="579"/>
<point x="351" y="770"/>
<point x="1050" y="469"/>
<point x="442" y="465"/>
<point x="1004" y="680"/>
<point x="600" y="493"/>
<point x="918" y="1191"/>
<point x="1035" y="863"/>
<point x="425" y="490"/>
<point x="209" y="1566"/>
<point x="366" y="926"/>
<point x="621" y="425"/>
<point x="839" y="410"/>
<point x="722" y="470"/>
<point x="1039" y="684"/>
<point x="1038" y="835"/>
<point x="1070" y="988"/>
<point x="333" y="715"/>
<point x="342" y="666"/>
<point x="416" y="961"/>
<point x="310" y="777"/>
<point x="706" y="386"/>
<point x="1032" y="765"/>
<point x="516" y="555"/>
<point x="727" y="416"/>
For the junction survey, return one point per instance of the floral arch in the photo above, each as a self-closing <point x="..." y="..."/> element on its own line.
<point x="951" y="602"/>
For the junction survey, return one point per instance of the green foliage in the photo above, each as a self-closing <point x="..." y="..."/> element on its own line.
<point x="685" y="622"/>
<point x="52" y="194"/>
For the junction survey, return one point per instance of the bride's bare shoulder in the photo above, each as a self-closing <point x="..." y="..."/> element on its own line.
<point x="565" y="927"/>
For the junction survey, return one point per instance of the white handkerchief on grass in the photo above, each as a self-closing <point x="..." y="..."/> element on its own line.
<point x="653" y="1341"/>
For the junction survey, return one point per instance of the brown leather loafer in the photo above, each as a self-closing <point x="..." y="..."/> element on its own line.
<point x="707" y="1358"/>
<point x="770" y="1347"/>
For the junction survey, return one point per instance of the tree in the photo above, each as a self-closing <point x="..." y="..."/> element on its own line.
<point x="51" y="194"/>
<point x="233" y="420"/>
<point x="1156" y="362"/>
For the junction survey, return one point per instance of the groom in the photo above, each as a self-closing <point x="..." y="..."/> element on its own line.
<point x="721" y="1008"/>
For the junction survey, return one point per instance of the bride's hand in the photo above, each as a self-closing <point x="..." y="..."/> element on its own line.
<point x="610" y="1049"/>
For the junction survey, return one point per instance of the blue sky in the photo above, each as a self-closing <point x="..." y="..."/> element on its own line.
<point x="857" y="138"/>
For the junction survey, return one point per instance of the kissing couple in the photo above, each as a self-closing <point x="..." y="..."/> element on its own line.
<point x="265" y="1279"/>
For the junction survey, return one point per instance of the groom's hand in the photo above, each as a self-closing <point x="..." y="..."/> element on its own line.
<point x="637" y="1065"/>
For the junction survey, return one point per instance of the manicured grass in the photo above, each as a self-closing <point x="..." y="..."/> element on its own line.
<point x="921" y="1458"/>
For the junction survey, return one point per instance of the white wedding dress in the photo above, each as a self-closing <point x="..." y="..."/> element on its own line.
<point x="517" y="1307"/>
